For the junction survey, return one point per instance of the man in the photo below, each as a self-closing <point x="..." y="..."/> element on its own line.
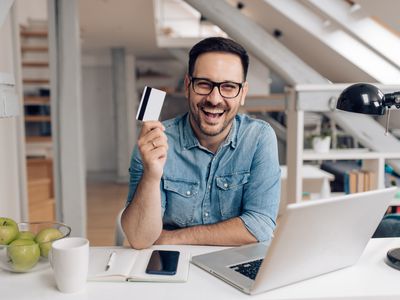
<point x="210" y="176"/>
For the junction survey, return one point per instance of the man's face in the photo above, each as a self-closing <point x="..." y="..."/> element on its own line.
<point x="212" y="115"/>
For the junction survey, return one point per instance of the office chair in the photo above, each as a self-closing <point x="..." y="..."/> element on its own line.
<point x="389" y="227"/>
<point x="119" y="233"/>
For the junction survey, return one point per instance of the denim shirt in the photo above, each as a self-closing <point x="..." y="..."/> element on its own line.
<point x="242" y="179"/>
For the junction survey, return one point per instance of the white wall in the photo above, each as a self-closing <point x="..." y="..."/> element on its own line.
<point x="99" y="107"/>
<point x="98" y="120"/>
<point x="34" y="10"/>
<point x="9" y="175"/>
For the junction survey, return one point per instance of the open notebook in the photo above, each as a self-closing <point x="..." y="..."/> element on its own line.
<point x="130" y="265"/>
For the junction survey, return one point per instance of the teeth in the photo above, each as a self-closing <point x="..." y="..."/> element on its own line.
<point x="213" y="111"/>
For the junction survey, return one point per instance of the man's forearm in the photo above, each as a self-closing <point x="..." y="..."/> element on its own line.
<point x="231" y="232"/>
<point x="141" y="220"/>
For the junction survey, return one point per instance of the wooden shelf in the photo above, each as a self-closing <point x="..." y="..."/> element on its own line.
<point x="36" y="100"/>
<point x="39" y="181"/>
<point x="35" y="64"/>
<point x="35" y="81"/>
<point x="38" y="148"/>
<point x="349" y="154"/>
<point x="266" y="97"/>
<point x="370" y="161"/>
<point x="31" y="33"/>
<point x="38" y="139"/>
<point x="39" y="118"/>
<point x="264" y="103"/>
<point x="34" y="49"/>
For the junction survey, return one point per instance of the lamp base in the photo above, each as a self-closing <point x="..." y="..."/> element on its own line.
<point x="393" y="258"/>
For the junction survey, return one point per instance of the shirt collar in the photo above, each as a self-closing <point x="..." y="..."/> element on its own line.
<point x="189" y="139"/>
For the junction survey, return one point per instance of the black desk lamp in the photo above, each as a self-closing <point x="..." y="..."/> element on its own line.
<point x="367" y="99"/>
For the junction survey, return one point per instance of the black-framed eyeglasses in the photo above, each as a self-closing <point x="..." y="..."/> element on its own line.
<point x="227" y="89"/>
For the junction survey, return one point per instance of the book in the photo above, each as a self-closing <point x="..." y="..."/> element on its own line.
<point x="346" y="183"/>
<point x="367" y="175"/>
<point x="340" y="169"/>
<point x="353" y="182"/>
<point x="130" y="265"/>
<point x="373" y="183"/>
<point x="360" y="181"/>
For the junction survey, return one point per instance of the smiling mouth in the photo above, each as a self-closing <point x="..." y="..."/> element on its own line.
<point x="212" y="113"/>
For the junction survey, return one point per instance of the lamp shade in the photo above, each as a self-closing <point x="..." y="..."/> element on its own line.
<point x="362" y="98"/>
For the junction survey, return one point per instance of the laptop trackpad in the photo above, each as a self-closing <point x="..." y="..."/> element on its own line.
<point x="235" y="255"/>
<point x="250" y="252"/>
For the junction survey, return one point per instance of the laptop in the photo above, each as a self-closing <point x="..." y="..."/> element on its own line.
<point x="312" y="238"/>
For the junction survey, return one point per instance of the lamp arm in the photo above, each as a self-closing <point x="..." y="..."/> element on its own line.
<point x="392" y="99"/>
<point x="387" y="121"/>
<point x="389" y="100"/>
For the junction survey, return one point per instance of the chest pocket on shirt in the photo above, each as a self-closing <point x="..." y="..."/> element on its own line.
<point x="230" y="191"/>
<point x="181" y="195"/>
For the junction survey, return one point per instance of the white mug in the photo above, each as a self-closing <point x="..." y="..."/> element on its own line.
<point x="69" y="258"/>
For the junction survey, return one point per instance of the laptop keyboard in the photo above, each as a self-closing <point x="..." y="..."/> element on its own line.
<point x="248" y="269"/>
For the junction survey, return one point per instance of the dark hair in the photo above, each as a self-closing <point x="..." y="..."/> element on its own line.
<point x="218" y="44"/>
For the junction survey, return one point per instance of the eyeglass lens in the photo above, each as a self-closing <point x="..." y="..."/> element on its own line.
<point x="226" y="89"/>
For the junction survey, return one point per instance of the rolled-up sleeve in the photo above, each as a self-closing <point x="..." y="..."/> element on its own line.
<point x="135" y="174"/>
<point x="262" y="192"/>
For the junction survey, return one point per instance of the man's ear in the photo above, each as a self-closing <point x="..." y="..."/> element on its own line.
<point x="245" y="88"/>
<point x="187" y="84"/>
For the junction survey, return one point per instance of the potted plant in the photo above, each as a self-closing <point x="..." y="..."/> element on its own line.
<point x="321" y="143"/>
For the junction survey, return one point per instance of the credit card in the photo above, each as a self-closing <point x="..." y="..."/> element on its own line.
<point x="150" y="104"/>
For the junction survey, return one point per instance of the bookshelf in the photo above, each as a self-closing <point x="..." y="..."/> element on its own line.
<point x="37" y="107"/>
<point x="35" y="72"/>
<point x="322" y="98"/>
<point x="371" y="161"/>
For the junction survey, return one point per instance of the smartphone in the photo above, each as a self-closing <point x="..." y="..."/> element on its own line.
<point x="163" y="262"/>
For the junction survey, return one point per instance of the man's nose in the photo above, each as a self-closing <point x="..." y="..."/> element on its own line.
<point x="215" y="97"/>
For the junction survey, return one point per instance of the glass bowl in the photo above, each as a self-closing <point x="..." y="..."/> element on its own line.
<point x="32" y="256"/>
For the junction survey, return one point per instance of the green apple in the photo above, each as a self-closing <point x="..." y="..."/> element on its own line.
<point x="44" y="239"/>
<point x="24" y="254"/>
<point x="8" y="231"/>
<point x="25" y="235"/>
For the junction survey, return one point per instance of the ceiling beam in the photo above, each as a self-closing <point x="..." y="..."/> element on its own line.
<point x="258" y="41"/>
<point x="344" y="44"/>
<point x="360" y="26"/>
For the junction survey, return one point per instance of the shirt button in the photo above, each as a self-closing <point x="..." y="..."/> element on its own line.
<point x="209" y="186"/>
<point x="188" y="193"/>
<point x="225" y="185"/>
<point x="206" y="214"/>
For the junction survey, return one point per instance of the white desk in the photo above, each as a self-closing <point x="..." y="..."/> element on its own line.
<point x="370" y="279"/>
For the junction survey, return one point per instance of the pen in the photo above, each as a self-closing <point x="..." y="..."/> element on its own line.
<point x="110" y="260"/>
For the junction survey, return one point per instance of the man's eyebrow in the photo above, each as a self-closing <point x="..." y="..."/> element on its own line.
<point x="205" y="78"/>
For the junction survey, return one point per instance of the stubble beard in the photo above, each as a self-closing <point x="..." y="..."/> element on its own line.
<point x="195" y="115"/>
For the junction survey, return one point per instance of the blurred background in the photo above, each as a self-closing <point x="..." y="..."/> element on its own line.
<point x="80" y="67"/>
